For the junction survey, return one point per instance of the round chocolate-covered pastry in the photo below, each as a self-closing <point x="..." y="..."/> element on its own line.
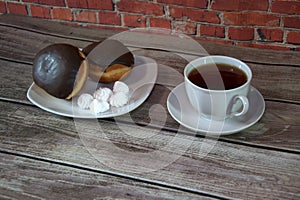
<point x="60" y="69"/>
<point x="109" y="61"/>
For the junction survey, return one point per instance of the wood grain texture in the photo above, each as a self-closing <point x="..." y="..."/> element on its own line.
<point x="145" y="154"/>
<point x="63" y="30"/>
<point x="46" y="180"/>
<point x="15" y="79"/>
<point x="229" y="170"/>
<point x="274" y="82"/>
<point x="278" y="119"/>
<point x="253" y="55"/>
<point x="53" y="28"/>
<point x="22" y="46"/>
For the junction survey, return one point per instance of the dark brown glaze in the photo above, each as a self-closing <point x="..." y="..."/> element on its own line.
<point x="107" y="53"/>
<point x="86" y="50"/>
<point x="55" y="68"/>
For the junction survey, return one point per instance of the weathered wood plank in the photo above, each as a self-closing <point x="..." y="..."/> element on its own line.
<point x="15" y="79"/>
<point x="44" y="180"/>
<point x="278" y="128"/>
<point x="55" y="28"/>
<point x="253" y="55"/>
<point x="278" y="119"/>
<point x="278" y="82"/>
<point x="62" y="30"/>
<point x="247" y="171"/>
<point x="274" y="82"/>
<point x="228" y="170"/>
<point x="23" y="45"/>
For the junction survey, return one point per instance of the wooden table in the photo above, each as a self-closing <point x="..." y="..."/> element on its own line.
<point x="43" y="156"/>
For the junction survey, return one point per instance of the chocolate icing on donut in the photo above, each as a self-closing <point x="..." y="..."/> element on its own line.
<point x="107" y="53"/>
<point x="55" y="69"/>
<point x="109" y="60"/>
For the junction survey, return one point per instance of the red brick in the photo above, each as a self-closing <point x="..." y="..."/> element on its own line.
<point x="160" y="22"/>
<point x="100" y="4"/>
<point x="141" y="7"/>
<point x="187" y="3"/>
<point x="17" y="8"/>
<point x="251" y="19"/>
<point x="270" y="34"/>
<point x="48" y="2"/>
<point x="240" y="5"/>
<point x="286" y="7"/>
<point x="2" y="7"/>
<point x="62" y="13"/>
<point x="134" y="20"/>
<point x="93" y="4"/>
<point x="241" y="33"/>
<point x="213" y="31"/>
<point x="40" y="11"/>
<point x="86" y="16"/>
<point x="292" y="22"/>
<point x="109" y="18"/>
<point x="185" y="27"/>
<point x="293" y="37"/>
<point x="194" y="14"/>
<point x="77" y="3"/>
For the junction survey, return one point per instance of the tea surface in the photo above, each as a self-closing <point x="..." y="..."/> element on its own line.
<point x="217" y="76"/>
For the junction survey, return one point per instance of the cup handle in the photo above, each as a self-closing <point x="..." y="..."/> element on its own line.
<point x="245" y="105"/>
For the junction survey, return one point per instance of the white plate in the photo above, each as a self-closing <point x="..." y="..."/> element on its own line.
<point x="140" y="81"/>
<point x="181" y="110"/>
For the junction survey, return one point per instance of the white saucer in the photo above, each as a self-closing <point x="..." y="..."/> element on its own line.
<point x="140" y="81"/>
<point x="181" y="110"/>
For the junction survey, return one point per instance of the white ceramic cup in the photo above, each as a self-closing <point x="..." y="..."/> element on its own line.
<point x="218" y="104"/>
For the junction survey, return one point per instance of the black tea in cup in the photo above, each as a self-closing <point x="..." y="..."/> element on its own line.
<point x="208" y="76"/>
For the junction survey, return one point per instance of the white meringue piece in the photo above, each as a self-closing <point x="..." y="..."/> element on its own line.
<point x="118" y="99"/>
<point x="102" y="94"/>
<point x="97" y="106"/>
<point x="84" y="101"/>
<point x="120" y="86"/>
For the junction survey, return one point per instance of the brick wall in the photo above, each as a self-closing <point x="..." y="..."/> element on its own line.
<point x="271" y="24"/>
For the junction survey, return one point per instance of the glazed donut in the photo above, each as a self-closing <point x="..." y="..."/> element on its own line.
<point x="60" y="70"/>
<point x="108" y="61"/>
